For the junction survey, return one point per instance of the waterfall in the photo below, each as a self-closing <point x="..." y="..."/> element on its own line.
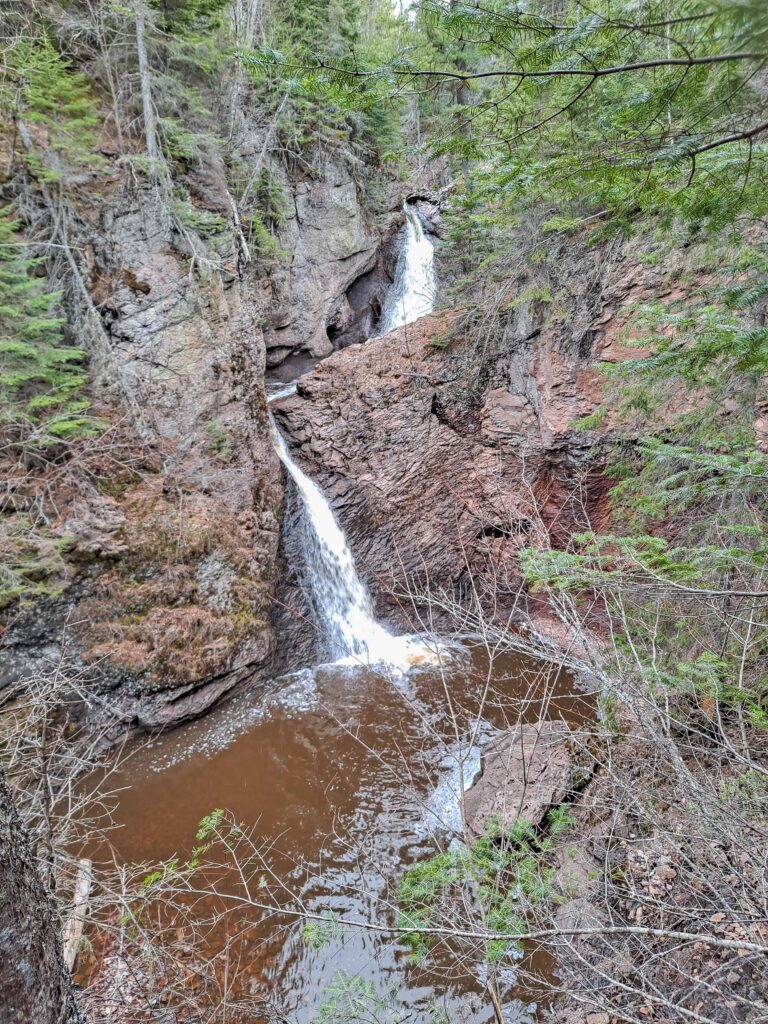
<point x="280" y="391"/>
<point x="339" y="598"/>
<point x="413" y="292"/>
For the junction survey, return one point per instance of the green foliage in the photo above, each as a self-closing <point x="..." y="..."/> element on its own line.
<point x="209" y="825"/>
<point x="505" y="871"/>
<point x="205" y="223"/>
<point x="268" y="215"/>
<point x="317" y="934"/>
<point x="592" y="422"/>
<point x="208" y="832"/>
<point x="613" y="559"/>
<point x="559" y="820"/>
<point x="270" y="200"/>
<point x="55" y="104"/>
<point x="664" y="596"/>
<point x="366" y="121"/>
<point x="192" y="18"/>
<point x="41" y="378"/>
<point x="221" y="443"/>
<point x="32" y="565"/>
<point x="528" y="296"/>
<point x="179" y="143"/>
<point x="194" y="43"/>
<point x="596" y="118"/>
<point x="351" y="999"/>
<point x="159" y="875"/>
<point x="266" y="248"/>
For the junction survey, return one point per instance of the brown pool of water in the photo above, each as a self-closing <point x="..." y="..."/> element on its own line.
<point x="346" y="777"/>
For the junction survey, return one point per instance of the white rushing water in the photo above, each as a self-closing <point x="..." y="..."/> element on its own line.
<point x="281" y="391"/>
<point x="413" y="292"/>
<point x="339" y="598"/>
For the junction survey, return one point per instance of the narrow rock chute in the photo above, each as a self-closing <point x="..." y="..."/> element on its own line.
<point x="339" y="599"/>
<point x="412" y="294"/>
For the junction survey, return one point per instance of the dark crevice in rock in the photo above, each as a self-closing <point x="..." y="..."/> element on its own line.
<point x="585" y="344"/>
<point x="438" y="410"/>
<point x="515" y="528"/>
<point x="495" y="531"/>
<point x="357" y="313"/>
<point x="292" y="366"/>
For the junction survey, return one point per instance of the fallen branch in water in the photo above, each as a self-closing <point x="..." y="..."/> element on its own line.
<point x="487" y="936"/>
<point x="73" y="927"/>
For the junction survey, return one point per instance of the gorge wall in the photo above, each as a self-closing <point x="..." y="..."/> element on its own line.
<point x="446" y="446"/>
<point x="443" y="447"/>
<point x="341" y="263"/>
<point x="164" y="598"/>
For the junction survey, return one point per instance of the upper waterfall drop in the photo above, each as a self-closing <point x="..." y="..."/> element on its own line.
<point x="412" y="294"/>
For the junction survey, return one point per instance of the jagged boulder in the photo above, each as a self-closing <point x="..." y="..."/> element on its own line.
<point x="525" y="772"/>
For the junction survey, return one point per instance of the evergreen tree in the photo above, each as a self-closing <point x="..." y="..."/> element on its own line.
<point x="41" y="378"/>
<point x="597" y="108"/>
<point x="53" y="107"/>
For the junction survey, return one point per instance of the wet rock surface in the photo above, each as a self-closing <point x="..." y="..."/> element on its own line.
<point x="446" y="446"/>
<point x="525" y="773"/>
<point x="342" y="256"/>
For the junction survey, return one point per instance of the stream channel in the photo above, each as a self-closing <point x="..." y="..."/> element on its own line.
<point x="344" y="774"/>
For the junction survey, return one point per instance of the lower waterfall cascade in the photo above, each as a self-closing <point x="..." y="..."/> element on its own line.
<point x="339" y="598"/>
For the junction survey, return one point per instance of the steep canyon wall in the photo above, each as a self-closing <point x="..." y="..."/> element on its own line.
<point x="449" y="444"/>
<point x="170" y="523"/>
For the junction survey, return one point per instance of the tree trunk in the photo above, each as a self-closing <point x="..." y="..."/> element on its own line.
<point x="150" y="133"/>
<point x="461" y="92"/>
<point x="269" y="138"/>
<point x="35" y="986"/>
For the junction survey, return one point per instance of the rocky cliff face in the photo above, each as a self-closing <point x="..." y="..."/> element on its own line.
<point x="445" y="448"/>
<point x="341" y="264"/>
<point x="172" y="520"/>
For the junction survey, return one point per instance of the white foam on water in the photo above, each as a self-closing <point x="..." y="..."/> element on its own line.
<point x="443" y="807"/>
<point x="293" y="695"/>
